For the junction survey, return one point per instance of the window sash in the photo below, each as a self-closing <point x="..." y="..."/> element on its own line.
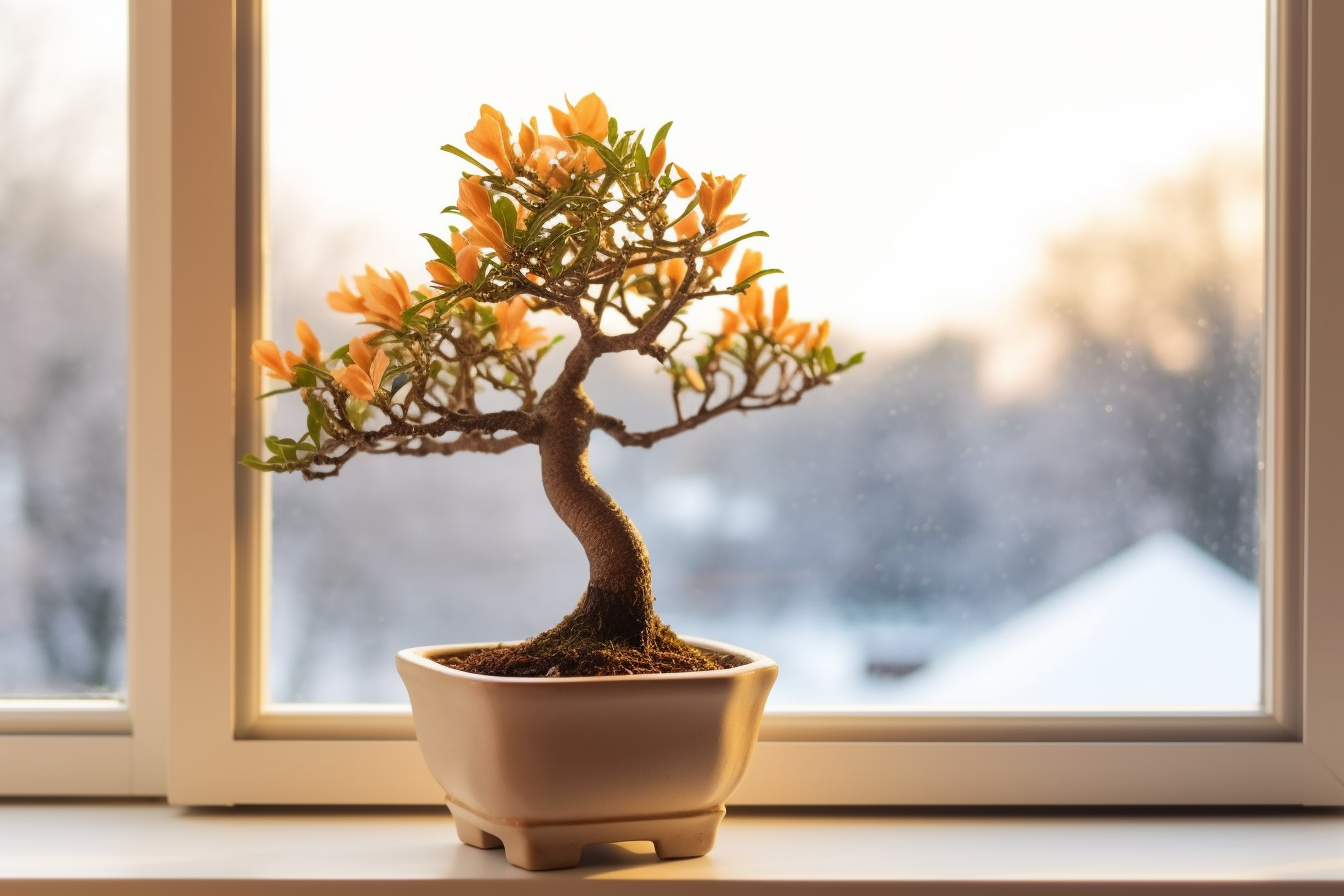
<point x="256" y="718"/>
<point x="225" y="750"/>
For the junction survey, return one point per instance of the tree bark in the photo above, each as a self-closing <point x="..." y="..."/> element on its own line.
<point x="618" y="603"/>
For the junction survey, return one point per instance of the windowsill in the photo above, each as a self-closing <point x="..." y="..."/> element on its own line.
<point x="148" y="847"/>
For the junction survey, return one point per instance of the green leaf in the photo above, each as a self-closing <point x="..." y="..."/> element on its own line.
<point x="411" y="316"/>
<point x="304" y="378"/>
<point x="661" y="135"/>
<point x="317" y="419"/>
<point x="502" y="210"/>
<point x="854" y="361"/>
<point x="607" y="155"/>
<point x="277" y="392"/>
<point x="642" y="161"/>
<point x="828" y="359"/>
<point x="612" y="131"/>
<point x="710" y="250"/>
<point x="273" y="444"/>
<point x="590" y="247"/>
<point x="738" y="287"/>
<point x="690" y="207"/>
<point x="448" y="147"/>
<point x="442" y="250"/>
<point x="541" y="352"/>
<point x="398" y="381"/>
<point x="256" y="463"/>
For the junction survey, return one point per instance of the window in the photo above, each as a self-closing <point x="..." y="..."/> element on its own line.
<point x="1058" y="285"/>
<point x="225" y="750"/>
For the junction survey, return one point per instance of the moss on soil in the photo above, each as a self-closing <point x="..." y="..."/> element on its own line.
<point x="563" y="652"/>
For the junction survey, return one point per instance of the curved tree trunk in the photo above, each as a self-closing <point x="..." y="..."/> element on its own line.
<point x="618" y="603"/>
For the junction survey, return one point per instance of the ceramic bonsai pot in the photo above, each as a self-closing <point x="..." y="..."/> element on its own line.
<point x="546" y="766"/>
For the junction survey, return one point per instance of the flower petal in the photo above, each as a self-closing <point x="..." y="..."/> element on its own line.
<point x="378" y="367"/>
<point x="686" y="186"/>
<point x="658" y="159"/>
<point x="312" y="349"/>
<point x="360" y="353"/>
<point x="751" y="264"/>
<point x="355" y="381"/>
<point x="688" y="226"/>
<point x="780" y="311"/>
<point x="266" y="354"/>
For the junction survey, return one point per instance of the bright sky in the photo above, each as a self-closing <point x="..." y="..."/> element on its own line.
<point x="908" y="158"/>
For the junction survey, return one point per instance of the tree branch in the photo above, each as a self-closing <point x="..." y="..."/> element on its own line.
<point x="615" y="427"/>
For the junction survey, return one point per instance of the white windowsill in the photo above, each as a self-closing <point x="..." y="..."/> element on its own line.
<point x="148" y="847"/>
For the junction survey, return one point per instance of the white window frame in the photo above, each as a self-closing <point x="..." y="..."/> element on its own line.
<point x="197" y="558"/>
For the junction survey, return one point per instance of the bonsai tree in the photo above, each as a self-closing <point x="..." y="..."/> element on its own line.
<point x="596" y="225"/>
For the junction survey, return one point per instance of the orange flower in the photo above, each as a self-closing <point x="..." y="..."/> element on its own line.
<point x="732" y="323"/>
<point x="658" y="159"/>
<point x="719" y="260"/>
<point x="380" y="299"/>
<point x="716" y="194"/>
<point x="491" y="138"/>
<point x="545" y="161"/>
<point x="527" y="137"/>
<point x="818" y="339"/>
<point x="441" y="273"/>
<point x="469" y="263"/>
<point x="751" y="263"/>
<point x="728" y="222"/>
<point x="513" y="330"/>
<point x="474" y="201"/>
<point x="343" y="299"/>
<point x="674" y="269"/>
<point x="685" y="186"/>
<point x="794" y="333"/>
<point x="696" y="381"/>
<point x="266" y="354"/>
<point x="688" y="226"/>
<point x="780" y="311"/>
<point x="588" y="117"/>
<point x="355" y="381"/>
<point x="362" y="378"/>
<point x="312" y="349"/>
<point x="751" y="304"/>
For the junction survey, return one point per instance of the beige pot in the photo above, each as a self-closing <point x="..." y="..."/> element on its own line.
<point x="545" y="766"/>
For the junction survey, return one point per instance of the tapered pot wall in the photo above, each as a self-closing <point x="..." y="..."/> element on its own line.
<point x="546" y="760"/>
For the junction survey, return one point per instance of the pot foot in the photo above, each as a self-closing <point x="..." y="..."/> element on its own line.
<point x="687" y="838"/>
<point x="545" y="847"/>
<point x="471" y="835"/>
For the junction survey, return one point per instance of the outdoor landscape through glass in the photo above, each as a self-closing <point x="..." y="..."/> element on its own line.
<point x="63" y="68"/>
<point x="1041" y="489"/>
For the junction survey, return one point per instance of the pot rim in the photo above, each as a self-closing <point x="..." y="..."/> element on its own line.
<point x="419" y="656"/>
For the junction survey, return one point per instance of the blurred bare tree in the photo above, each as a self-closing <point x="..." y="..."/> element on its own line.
<point x="922" y="492"/>
<point x="63" y="299"/>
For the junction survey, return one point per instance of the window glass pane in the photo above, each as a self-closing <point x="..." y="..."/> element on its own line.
<point x="1042" y="220"/>
<point x="63" y="300"/>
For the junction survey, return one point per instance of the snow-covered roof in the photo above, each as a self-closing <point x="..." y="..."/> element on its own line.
<point x="1161" y="624"/>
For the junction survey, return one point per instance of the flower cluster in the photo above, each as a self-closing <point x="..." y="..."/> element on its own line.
<point x="577" y="223"/>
